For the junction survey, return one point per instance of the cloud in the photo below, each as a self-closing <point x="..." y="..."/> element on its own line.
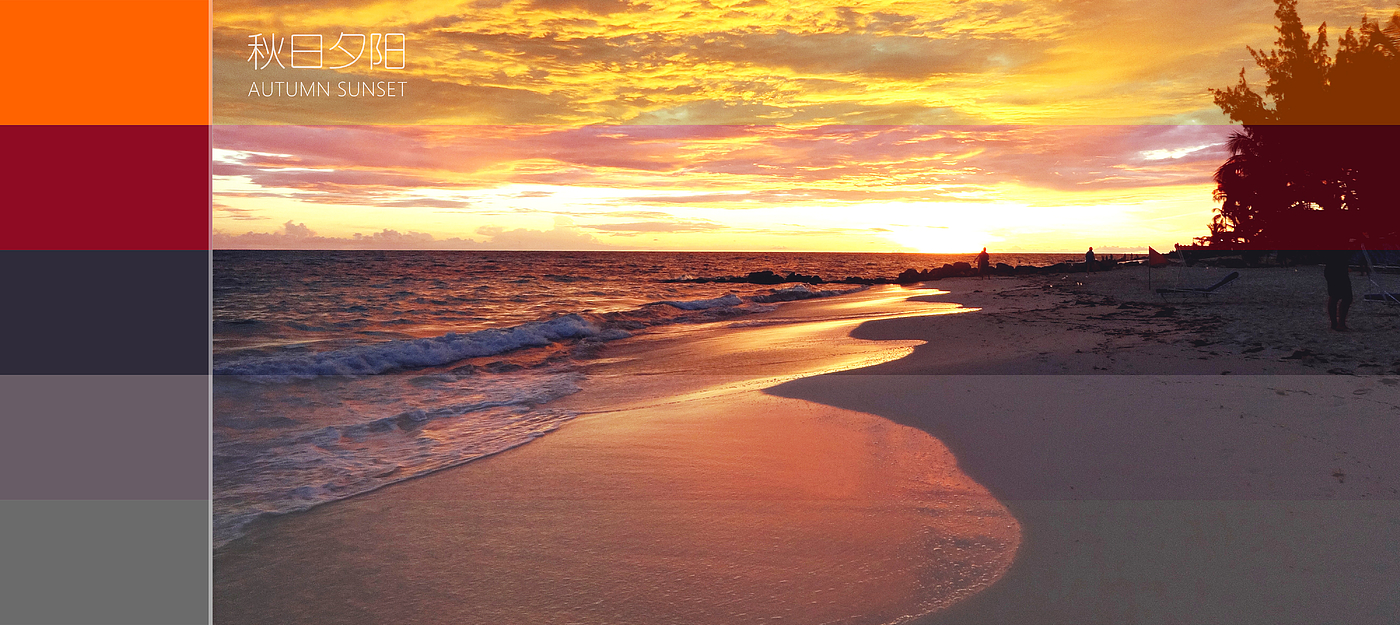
<point x="722" y="166"/>
<point x="651" y="227"/>
<point x="241" y="214"/>
<point x="600" y="7"/>
<point x="562" y="237"/>
<point x="295" y="236"/>
<point x="700" y="62"/>
<point x="875" y="53"/>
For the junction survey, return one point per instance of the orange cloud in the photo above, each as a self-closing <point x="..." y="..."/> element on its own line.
<point x="692" y="182"/>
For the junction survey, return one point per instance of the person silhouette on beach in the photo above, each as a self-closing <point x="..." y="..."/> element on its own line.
<point x="1089" y="261"/>
<point x="983" y="260"/>
<point x="1338" y="288"/>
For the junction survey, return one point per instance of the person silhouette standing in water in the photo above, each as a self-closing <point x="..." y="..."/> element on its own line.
<point x="1338" y="288"/>
<point x="983" y="259"/>
<point x="1089" y="261"/>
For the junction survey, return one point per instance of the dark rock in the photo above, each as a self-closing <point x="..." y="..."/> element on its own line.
<point x="910" y="276"/>
<point x="763" y="277"/>
<point x="797" y="277"/>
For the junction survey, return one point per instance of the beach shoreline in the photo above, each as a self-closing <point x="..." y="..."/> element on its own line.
<point x="680" y="493"/>
<point x="1033" y="391"/>
<point x="1215" y="463"/>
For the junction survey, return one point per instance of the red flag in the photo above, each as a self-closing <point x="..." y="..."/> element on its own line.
<point x="1156" y="259"/>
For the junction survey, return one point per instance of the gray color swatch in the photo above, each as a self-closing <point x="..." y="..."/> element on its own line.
<point x="109" y="562"/>
<point x="104" y="437"/>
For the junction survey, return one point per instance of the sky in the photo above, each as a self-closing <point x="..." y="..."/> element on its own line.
<point x="875" y="126"/>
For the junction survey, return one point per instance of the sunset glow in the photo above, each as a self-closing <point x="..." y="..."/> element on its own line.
<point x="867" y="126"/>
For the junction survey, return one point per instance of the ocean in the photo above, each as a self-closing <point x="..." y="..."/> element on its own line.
<point x="339" y="372"/>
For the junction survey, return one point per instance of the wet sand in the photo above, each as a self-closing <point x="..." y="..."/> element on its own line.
<point x="684" y="494"/>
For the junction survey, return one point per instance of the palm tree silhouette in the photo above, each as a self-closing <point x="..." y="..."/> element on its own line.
<point x="1278" y="186"/>
<point x="1320" y="163"/>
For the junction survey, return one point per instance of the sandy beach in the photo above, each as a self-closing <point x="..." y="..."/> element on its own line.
<point x="1075" y="450"/>
<point x="1150" y="487"/>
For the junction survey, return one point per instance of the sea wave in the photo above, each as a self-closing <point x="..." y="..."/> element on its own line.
<point x="295" y="429"/>
<point x="702" y="304"/>
<point x="295" y="461"/>
<point x="426" y="352"/>
<point x="403" y="354"/>
<point x="801" y="292"/>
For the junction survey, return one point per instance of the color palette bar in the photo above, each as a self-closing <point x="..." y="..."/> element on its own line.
<point x="104" y="275"/>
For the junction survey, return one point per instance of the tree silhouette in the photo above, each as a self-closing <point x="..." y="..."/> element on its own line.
<point x="1316" y="161"/>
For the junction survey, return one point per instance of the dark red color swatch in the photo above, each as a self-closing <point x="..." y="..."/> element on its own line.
<point x="105" y="187"/>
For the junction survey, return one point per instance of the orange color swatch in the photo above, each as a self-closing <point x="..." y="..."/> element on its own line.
<point x="106" y="62"/>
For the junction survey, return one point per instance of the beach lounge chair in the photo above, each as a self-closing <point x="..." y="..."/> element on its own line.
<point x="1377" y="293"/>
<point x="1203" y="292"/>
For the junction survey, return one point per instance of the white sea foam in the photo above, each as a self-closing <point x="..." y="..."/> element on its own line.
<point x="347" y="436"/>
<point x="426" y="352"/>
<point x="395" y="355"/>
<point x="729" y="299"/>
<point x="801" y="292"/>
